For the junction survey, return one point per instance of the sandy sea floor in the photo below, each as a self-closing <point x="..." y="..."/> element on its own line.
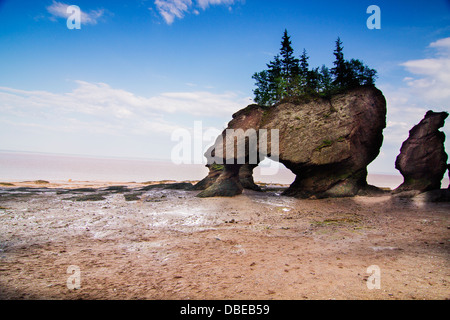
<point x="167" y="244"/>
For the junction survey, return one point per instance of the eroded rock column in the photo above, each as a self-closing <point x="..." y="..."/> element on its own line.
<point x="422" y="160"/>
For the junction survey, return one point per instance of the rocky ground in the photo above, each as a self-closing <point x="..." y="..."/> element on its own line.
<point x="162" y="243"/>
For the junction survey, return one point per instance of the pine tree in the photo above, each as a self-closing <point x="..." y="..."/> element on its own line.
<point x="275" y="74"/>
<point x="310" y="79"/>
<point x="325" y="80"/>
<point x="355" y="73"/>
<point x="303" y="78"/>
<point x="262" y="91"/>
<point x="313" y="83"/>
<point x="339" y="71"/>
<point x="369" y="76"/>
<point x="361" y="74"/>
<point x="304" y="65"/>
<point x="289" y="65"/>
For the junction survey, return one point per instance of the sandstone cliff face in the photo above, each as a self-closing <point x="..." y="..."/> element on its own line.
<point x="422" y="160"/>
<point x="326" y="143"/>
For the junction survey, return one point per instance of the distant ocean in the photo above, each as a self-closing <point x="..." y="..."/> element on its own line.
<point x="23" y="166"/>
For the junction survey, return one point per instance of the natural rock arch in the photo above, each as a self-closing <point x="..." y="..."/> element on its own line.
<point x="326" y="142"/>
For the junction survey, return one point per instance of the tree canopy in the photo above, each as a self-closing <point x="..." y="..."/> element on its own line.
<point x="288" y="76"/>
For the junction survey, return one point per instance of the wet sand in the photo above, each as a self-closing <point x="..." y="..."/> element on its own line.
<point x="160" y="243"/>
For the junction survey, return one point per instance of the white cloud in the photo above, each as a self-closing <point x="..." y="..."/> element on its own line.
<point x="206" y="3"/>
<point x="97" y="107"/>
<point x="201" y="103"/>
<point x="441" y="44"/>
<point x="172" y="9"/>
<point x="432" y="75"/>
<point x="59" y="10"/>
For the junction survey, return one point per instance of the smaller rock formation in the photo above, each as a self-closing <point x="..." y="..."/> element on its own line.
<point x="215" y="170"/>
<point x="226" y="185"/>
<point x="422" y="160"/>
<point x="246" y="177"/>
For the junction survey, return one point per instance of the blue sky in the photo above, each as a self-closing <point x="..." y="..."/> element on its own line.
<point x="138" y="70"/>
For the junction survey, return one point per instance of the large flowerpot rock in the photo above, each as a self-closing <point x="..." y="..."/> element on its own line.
<point x="326" y="142"/>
